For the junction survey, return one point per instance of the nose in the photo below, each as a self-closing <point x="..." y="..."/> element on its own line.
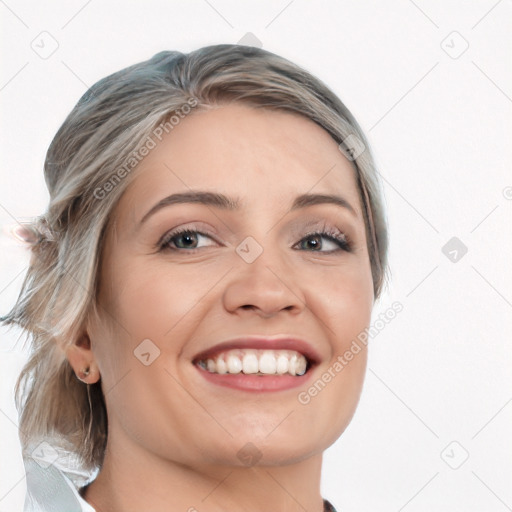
<point x="264" y="287"/>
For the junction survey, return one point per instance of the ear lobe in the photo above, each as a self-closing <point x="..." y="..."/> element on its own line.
<point x="82" y="360"/>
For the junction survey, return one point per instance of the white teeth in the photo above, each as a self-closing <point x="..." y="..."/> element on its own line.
<point x="282" y="364"/>
<point x="268" y="363"/>
<point x="253" y="361"/>
<point x="222" y="367"/>
<point x="292" y="364"/>
<point x="300" y="369"/>
<point x="250" y="363"/>
<point x="234" y="364"/>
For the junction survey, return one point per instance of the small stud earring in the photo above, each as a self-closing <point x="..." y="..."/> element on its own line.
<point x="84" y="373"/>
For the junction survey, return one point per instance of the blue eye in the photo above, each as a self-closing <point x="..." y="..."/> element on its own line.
<point x="336" y="238"/>
<point x="188" y="236"/>
<point x="189" y="239"/>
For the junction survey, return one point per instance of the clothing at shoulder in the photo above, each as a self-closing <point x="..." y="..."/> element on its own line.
<point x="328" y="507"/>
<point x="50" y="490"/>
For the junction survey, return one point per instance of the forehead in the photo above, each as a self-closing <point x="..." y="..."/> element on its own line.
<point x="264" y="157"/>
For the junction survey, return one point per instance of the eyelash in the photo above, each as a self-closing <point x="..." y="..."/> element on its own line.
<point x="333" y="235"/>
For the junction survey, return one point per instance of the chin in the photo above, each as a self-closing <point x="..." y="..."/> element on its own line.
<point x="264" y="447"/>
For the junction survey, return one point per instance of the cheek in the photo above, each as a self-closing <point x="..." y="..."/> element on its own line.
<point x="344" y="308"/>
<point x="344" y="299"/>
<point x="149" y="300"/>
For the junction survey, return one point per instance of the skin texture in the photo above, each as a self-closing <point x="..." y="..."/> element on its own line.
<point x="173" y="436"/>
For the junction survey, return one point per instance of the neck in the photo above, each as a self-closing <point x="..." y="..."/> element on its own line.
<point x="133" y="479"/>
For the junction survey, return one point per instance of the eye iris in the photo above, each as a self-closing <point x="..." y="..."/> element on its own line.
<point x="190" y="237"/>
<point x="316" y="241"/>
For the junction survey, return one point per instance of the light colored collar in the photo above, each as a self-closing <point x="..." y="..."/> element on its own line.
<point x="50" y="490"/>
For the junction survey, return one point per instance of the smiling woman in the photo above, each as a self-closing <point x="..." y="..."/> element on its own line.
<point x="215" y="240"/>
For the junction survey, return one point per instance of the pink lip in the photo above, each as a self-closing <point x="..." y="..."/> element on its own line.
<point x="255" y="383"/>
<point x="259" y="383"/>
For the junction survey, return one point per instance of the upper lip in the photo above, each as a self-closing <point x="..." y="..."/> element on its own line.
<point x="283" y="342"/>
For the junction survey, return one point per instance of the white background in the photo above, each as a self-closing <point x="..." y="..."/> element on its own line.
<point x="439" y="121"/>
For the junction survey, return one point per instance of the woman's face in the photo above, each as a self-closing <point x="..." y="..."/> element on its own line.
<point x="249" y="286"/>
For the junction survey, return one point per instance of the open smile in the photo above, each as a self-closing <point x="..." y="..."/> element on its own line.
<point x="258" y="364"/>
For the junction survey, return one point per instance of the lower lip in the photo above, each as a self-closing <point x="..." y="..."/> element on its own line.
<point x="255" y="383"/>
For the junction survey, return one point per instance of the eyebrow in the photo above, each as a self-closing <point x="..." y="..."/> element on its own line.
<point x="226" y="203"/>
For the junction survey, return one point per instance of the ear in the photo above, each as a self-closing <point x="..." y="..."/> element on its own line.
<point x="82" y="360"/>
